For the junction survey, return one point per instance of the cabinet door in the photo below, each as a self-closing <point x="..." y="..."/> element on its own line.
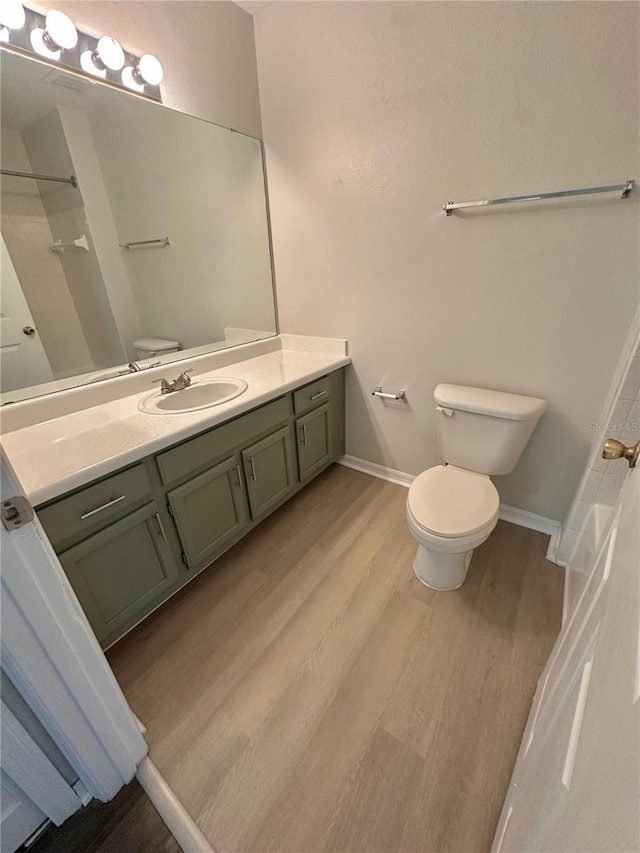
<point x="313" y="433"/>
<point x="122" y="573"/>
<point x="210" y="512"/>
<point x="270" y="468"/>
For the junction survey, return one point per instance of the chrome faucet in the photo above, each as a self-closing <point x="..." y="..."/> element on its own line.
<point x="134" y="367"/>
<point x="179" y="384"/>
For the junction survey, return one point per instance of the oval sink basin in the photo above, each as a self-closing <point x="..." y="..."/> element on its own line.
<point x="199" y="395"/>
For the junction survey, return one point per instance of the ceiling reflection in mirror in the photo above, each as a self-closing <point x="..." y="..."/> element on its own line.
<point x="150" y="245"/>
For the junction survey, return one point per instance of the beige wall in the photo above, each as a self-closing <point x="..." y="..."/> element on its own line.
<point x="206" y="48"/>
<point x="373" y="115"/>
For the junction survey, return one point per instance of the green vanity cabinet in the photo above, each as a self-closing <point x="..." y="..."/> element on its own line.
<point x="270" y="470"/>
<point x="210" y="512"/>
<point x="121" y="573"/>
<point x="314" y="439"/>
<point x="131" y="539"/>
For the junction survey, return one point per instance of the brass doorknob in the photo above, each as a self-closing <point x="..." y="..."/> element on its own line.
<point x="614" y="449"/>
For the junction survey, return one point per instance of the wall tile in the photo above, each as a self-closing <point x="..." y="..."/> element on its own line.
<point x="591" y="486"/>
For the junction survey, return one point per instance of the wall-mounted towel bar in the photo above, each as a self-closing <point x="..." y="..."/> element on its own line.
<point x="624" y="189"/>
<point x="380" y="393"/>
<point x="79" y="243"/>
<point x="160" y="241"/>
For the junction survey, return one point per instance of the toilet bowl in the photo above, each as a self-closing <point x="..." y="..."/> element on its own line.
<point x="450" y="512"/>
<point x="152" y="347"/>
<point x="453" y="508"/>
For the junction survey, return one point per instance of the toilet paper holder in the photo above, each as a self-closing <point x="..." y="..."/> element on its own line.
<point x="380" y="393"/>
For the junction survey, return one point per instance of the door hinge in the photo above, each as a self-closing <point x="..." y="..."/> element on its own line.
<point x="169" y="510"/>
<point x="16" y="512"/>
<point x="183" y="557"/>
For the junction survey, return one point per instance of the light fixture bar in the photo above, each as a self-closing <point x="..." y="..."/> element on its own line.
<point x="70" y="180"/>
<point x="102" y="59"/>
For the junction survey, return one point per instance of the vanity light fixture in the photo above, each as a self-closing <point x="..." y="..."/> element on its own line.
<point x="58" y="34"/>
<point x="54" y="38"/>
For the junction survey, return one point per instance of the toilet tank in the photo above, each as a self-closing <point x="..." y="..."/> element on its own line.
<point x="482" y="430"/>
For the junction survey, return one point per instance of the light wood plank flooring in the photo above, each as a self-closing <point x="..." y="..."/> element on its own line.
<point x="308" y="694"/>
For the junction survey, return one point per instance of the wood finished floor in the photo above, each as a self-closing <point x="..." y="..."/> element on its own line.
<point x="128" y="824"/>
<point x="308" y="694"/>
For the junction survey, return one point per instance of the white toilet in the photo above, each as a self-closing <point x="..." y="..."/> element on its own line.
<point x="452" y="508"/>
<point x="152" y="347"/>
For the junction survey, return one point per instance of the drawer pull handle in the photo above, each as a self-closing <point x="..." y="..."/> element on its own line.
<point x="304" y="434"/>
<point x="239" y="476"/>
<point x="319" y="394"/>
<point x="98" y="509"/>
<point x="160" y="527"/>
<point x="252" y="472"/>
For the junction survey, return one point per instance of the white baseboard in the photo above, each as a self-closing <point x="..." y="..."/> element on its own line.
<point x="178" y="821"/>
<point x="521" y="517"/>
<point x="532" y="520"/>
<point x="375" y="470"/>
<point x="565" y="594"/>
<point x="554" y="545"/>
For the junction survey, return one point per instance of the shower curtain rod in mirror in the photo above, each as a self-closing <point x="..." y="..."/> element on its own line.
<point x="70" y="180"/>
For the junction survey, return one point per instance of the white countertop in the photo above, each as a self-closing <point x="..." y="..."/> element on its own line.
<point x="61" y="454"/>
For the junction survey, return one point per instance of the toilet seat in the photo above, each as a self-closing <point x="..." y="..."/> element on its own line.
<point x="452" y="503"/>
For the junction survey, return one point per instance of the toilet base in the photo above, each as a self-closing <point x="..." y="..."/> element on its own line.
<point x="441" y="571"/>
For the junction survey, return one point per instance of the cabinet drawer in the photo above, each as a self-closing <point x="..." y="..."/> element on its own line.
<point x="200" y="452"/>
<point x="312" y="395"/>
<point x="86" y="511"/>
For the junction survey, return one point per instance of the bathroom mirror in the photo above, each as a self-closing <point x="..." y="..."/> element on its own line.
<point x="144" y="239"/>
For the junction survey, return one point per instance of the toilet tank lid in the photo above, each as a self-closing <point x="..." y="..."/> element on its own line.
<point x="155" y="344"/>
<point x="482" y="401"/>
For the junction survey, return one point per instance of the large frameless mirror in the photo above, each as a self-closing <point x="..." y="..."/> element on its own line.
<point x="131" y="233"/>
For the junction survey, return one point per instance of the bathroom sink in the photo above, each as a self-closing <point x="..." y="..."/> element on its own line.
<point x="199" y="395"/>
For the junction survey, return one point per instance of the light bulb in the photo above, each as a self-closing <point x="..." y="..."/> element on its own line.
<point x="130" y="81"/>
<point x="108" y="54"/>
<point x="12" y="15"/>
<point x="89" y="66"/>
<point x="60" y="31"/>
<point x="39" y="44"/>
<point x="149" y="70"/>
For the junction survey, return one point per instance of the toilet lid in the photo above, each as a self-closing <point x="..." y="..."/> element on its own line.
<point x="449" y="501"/>
<point x="155" y="344"/>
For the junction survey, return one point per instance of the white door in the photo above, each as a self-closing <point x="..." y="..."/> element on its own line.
<point x="23" y="361"/>
<point x="576" y="784"/>
<point x="31" y="788"/>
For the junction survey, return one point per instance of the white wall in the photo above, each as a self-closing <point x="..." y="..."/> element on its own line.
<point x="206" y="48"/>
<point x="373" y="115"/>
<point x="86" y="164"/>
<point x="28" y="237"/>
<point x="204" y="189"/>
<point x="49" y="154"/>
